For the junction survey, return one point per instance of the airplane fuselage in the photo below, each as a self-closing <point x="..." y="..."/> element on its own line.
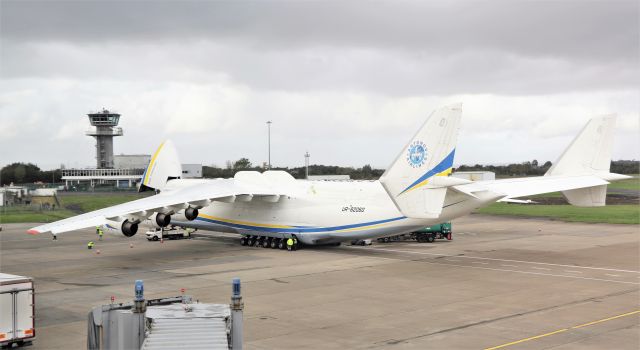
<point x="322" y="212"/>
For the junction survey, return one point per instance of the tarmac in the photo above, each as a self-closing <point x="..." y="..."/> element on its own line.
<point x="501" y="283"/>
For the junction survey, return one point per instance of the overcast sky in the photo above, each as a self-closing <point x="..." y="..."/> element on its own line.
<point x="348" y="81"/>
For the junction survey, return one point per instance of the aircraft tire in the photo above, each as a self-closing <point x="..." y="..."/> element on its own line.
<point x="252" y="241"/>
<point x="281" y="244"/>
<point x="274" y="243"/>
<point x="244" y="241"/>
<point x="266" y="243"/>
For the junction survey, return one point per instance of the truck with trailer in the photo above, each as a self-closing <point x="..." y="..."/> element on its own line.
<point x="426" y="235"/>
<point x="17" y="310"/>
<point x="173" y="232"/>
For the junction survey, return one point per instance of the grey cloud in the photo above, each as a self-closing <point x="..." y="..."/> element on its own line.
<point x="581" y="30"/>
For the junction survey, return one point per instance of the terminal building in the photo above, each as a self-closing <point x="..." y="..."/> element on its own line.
<point x="121" y="171"/>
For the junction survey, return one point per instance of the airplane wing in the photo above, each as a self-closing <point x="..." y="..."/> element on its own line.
<point x="197" y="195"/>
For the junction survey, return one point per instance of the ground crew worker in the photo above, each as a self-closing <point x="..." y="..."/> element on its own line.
<point x="97" y="230"/>
<point x="90" y="245"/>
<point x="100" y="233"/>
<point x="289" y="244"/>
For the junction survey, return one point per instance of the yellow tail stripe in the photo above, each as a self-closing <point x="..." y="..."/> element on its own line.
<point x="153" y="160"/>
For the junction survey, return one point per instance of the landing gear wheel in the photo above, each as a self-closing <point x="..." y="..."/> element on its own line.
<point x="252" y="241"/>
<point x="244" y="241"/>
<point x="431" y="238"/>
<point x="282" y="244"/>
<point x="267" y="243"/>
<point x="274" y="243"/>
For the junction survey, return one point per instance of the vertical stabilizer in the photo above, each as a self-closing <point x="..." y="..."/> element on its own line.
<point x="588" y="154"/>
<point x="430" y="153"/>
<point x="164" y="166"/>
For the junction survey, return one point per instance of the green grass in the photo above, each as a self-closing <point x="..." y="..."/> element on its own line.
<point x="72" y="204"/>
<point x="629" y="184"/>
<point x="83" y="203"/>
<point x="10" y="215"/>
<point x="613" y="214"/>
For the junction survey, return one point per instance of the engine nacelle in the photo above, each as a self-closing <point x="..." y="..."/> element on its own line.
<point x="162" y="220"/>
<point x="191" y="213"/>
<point x="129" y="228"/>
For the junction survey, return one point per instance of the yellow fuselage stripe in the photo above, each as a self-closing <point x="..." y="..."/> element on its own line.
<point x="246" y="223"/>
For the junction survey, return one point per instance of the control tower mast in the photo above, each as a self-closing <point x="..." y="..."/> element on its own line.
<point x="106" y="128"/>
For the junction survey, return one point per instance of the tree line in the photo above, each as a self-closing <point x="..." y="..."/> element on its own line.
<point x="528" y="168"/>
<point x="21" y="173"/>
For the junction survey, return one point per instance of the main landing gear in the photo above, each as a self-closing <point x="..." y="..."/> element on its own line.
<point x="264" y="242"/>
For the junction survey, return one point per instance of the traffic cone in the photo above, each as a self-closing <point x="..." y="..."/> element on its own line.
<point x="98" y="251"/>
<point x="130" y="245"/>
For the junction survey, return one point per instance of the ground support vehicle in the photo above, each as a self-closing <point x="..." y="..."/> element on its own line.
<point x="17" y="310"/>
<point x="428" y="234"/>
<point x="169" y="233"/>
<point x="362" y="242"/>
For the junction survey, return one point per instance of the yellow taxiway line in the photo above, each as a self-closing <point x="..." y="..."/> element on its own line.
<point x="563" y="330"/>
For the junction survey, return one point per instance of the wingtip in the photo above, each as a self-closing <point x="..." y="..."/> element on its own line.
<point x="33" y="232"/>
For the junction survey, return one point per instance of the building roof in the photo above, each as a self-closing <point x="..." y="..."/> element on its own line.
<point x="187" y="326"/>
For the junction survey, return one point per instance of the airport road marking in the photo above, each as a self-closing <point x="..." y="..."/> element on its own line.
<point x="540" y="268"/>
<point x="480" y="262"/>
<point x="572" y="271"/>
<point x="528" y="339"/>
<point x="563" y="330"/>
<point x="453" y="260"/>
<point x="508" y="270"/>
<point x="505" y="260"/>
<point x="612" y="275"/>
<point x="507" y="265"/>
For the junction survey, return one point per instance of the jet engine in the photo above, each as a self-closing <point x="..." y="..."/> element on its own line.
<point x="129" y="228"/>
<point x="191" y="213"/>
<point x="162" y="220"/>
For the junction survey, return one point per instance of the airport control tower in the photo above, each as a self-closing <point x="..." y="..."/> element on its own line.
<point x="106" y="128"/>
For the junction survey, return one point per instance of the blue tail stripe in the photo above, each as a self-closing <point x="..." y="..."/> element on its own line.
<point x="445" y="164"/>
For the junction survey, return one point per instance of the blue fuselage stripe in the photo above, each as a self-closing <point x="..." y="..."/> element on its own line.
<point x="301" y="229"/>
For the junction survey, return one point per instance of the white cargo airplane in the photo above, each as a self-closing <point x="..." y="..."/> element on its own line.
<point x="414" y="192"/>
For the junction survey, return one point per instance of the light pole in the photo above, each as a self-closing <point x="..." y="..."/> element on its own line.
<point x="269" y="143"/>
<point x="306" y="163"/>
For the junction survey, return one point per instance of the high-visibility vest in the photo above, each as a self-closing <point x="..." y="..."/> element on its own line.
<point x="100" y="232"/>
<point x="289" y="241"/>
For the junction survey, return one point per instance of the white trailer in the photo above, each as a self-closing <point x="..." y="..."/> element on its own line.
<point x="17" y="310"/>
<point x="173" y="232"/>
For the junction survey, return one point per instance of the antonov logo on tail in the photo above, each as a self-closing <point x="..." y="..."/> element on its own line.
<point x="416" y="154"/>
